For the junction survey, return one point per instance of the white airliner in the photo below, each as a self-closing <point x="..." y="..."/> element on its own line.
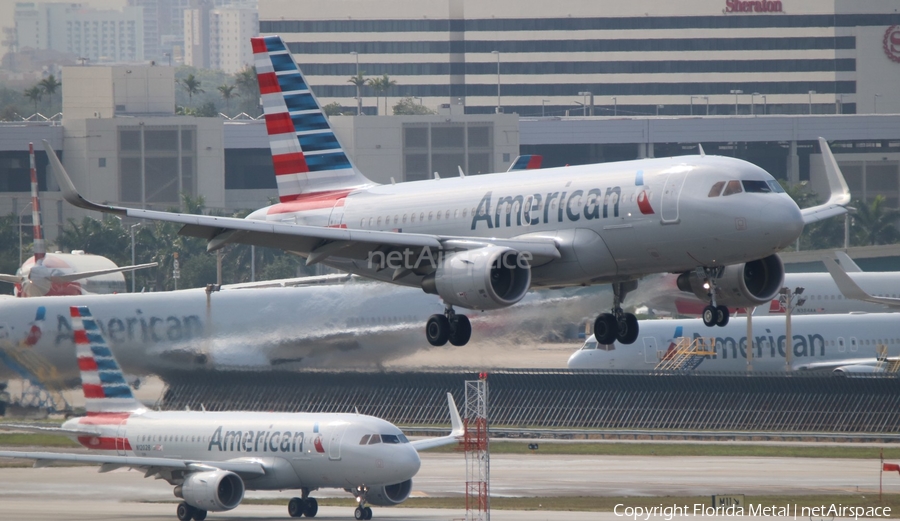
<point x="842" y="343"/>
<point x="821" y="295"/>
<point x="355" y="324"/>
<point x="213" y="457"/>
<point x="480" y="242"/>
<point x="73" y="273"/>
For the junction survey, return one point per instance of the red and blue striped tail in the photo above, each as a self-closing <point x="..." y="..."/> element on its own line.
<point x="526" y="162"/>
<point x="102" y="381"/>
<point x="306" y="154"/>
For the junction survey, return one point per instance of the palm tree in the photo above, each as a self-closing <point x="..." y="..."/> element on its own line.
<point x="49" y="86"/>
<point x="248" y="88"/>
<point x="34" y="94"/>
<point x="227" y="93"/>
<point x="386" y="84"/>
<point x="876" y="222"/>
<point x="359" y="81"/>
<point x="377" y="88"/>
<point x="191" y="85"/>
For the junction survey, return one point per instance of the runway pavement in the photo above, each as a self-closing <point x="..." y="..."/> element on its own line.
<point x="76" y="493"/>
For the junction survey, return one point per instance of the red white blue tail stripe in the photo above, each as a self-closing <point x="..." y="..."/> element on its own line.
<point x="306" y="154"/>
<point x="104" y="386"/>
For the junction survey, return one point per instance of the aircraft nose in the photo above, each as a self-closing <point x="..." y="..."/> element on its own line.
<point x="577" y="360"/>
<point x="782" y="221"/>
<point x="408" y="463"/>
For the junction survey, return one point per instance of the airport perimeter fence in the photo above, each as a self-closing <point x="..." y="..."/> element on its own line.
<point x="560" y="399"/>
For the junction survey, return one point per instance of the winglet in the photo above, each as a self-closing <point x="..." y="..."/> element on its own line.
<point x="839" y="193"/>
<point x="68" y="189"/>
<point x="700" y="149"/>
<point x="850" y="290"/>
<point x="847" y="263"/>
<point x="458" y="430"/>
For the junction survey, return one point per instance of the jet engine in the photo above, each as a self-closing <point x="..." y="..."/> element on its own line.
<point x="740" y="285"/>
<point x="485" y="278"/>
<point x="214" y="491"/>
<point x="389" y="495"/>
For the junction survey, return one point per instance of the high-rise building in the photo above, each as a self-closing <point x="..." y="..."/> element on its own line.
<point x="219" y="38"/>
<point x="98" y="35"/>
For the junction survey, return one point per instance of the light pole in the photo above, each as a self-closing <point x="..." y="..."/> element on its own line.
<point x="736" y="92"/>
<point x="840" y="107"/>
<point x="765" y="106"/>
<point x="169" y="56"/>
<point x="615" y="106"/>
<point x="692" y="103"/>
<point x="810" y="100"/>
<point x="657" y="109"/>
<point x="583" y="107"/>
<point x="753" y="103"/>
<point x="787" y="299"/>
<point x="498" y="80"/>
<point x="875" y="102"/>
<point x="542" y="106"/>
<point x="418" y="98"/>
<point x="358" y="98"/>
<point x="133" y="272"/>
<point x="584" y="96"/>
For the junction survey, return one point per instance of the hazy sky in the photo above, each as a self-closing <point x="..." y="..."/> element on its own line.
<point x="8" y="9"/>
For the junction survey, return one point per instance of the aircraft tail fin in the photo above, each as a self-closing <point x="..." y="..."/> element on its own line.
<point x="526" y="162"/>
<point x="40" y="250"/>
<point x="104" y="386"/>
<point x="305" y="152"/>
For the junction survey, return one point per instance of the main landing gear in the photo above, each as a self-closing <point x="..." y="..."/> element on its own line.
<point x="186" y="512"/>
<point x="713" y="315"/>
<point x="303" y="506"/>
<point x="617" y="325"/>
<point x="362" y="511"/>
<point x="449" y="326"/>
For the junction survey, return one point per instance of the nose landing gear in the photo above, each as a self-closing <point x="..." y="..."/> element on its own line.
<point x="362" y="511"/>
<point x="449" y="326"/>
<point x="618" y="325"/>
<point x="713" y="314"/>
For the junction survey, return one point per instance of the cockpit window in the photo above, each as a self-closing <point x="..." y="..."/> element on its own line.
<point x="733" y="187"/>
<point x="392" y="438"/>
<point x="756" y="187"/>
<point x="776" y="187"/>
<point x="365" y="439"/>
<point x="716" y="189"/>
<point x="374" y="439"/>
<point x="590" y="344"/>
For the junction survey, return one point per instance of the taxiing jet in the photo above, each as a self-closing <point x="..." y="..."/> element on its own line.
<point x="73" y="273"/>
<point x="851" y="343"/>
<point x="211" y="458"/>
<point x="480" y="242"/>
<point x="821" y="294"/>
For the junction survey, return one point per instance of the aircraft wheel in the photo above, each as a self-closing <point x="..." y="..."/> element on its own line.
<point x="606" y="328"/>
<point x="710" y="316"/>
<point x="184" y="512"/>
<point x="199" y="515"/>
<point x="437" y="330"/>
<point x="359" y="513"/>
<point x="460" y="331"/>
<point x="296" y="507"/>
<point x="628" y="329"/>
<point x="312" y="507"/>
<point x="722" y="316"/>
<point x="368" y="512"/>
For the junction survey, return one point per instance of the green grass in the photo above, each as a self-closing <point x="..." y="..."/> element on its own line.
<point x="17" y="439"/>
<point x="688" y="449"/>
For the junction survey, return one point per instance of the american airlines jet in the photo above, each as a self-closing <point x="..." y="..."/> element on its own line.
<point x="841" y="343"/>
<point x="63" y="273"/>
<point x="211" y="458"/>
<point x="480" y="242"/>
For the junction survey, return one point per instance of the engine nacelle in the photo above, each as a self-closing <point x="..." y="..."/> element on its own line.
<point x="740" y="285"/>
<point x="214" y="491"/>
<point x="486" y="278"/>
<point x="389" y="495"/>
<point x="857" y="369"/>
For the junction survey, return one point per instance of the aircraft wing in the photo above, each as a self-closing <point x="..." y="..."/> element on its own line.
<point x="293" y="282"/>
<point x="839" y="197"/>
<point x="457" y="431"/>
<point x="244" y="468"/>
<point x="44" y="429"/>
<point x="69" y="277"/>
<point x="315" y="242"/>
<point x="834" y="364"/>
<point x="851" y="290"/>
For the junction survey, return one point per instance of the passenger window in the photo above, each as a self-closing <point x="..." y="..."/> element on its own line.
<point x="370" y="221"/>
<point x="716" y="189"/>
<point x="430" y="215"/>
<point x="365" y="439"/>
<point x="422" y="216"/>
<point x="374" y="439"/>
<point x="439" y="216"/>
<point x="404" y="218"/>
<point x="456" y="213"/>
<point x="378" y="222"/>
<point x="412" y="218"/>
<point x="396" y="219"/>
<point x="733" y="187"/>
<point x="447" y="215"/>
